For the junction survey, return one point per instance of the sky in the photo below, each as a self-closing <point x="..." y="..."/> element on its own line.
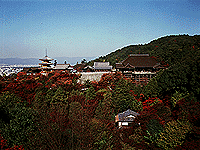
<point x="90" y="28"/>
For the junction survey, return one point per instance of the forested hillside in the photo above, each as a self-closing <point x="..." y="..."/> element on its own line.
<point x="171" y="49"/>
<point x="56" y="112"/>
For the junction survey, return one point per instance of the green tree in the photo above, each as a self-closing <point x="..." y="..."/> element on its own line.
<point x="105" y="111"/>
<point x="60" y="96"/>
<point x="154" y="128"/>
<point x="76" y="118"/>
<point x="152" y="89"/>
<point x="123" y="99"/>
<point x="90" y="93"/>
<point x="39" y="102"/>
<point x="53" y="131"/>
<point x="173" y="134"/>
<point x="16" y="120"/>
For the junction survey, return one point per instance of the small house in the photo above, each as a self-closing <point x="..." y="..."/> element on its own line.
<point x="126" y="118"/>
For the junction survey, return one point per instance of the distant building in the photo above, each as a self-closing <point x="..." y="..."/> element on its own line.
<point x="140" y="67"/>
<point x="62" y="67"/>
<point x="126" y="118"/>
<point x="102" y="66"/>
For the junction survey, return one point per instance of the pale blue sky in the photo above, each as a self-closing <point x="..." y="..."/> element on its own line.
<point x="90" y="27"/>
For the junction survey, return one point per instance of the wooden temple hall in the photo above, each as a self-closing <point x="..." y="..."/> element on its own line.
<point x="140" y="67"/>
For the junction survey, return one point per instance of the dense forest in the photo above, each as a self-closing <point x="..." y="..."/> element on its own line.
<point x="57" y="112"/>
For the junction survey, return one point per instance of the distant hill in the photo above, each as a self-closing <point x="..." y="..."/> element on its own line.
<point x="35" y="61"/>
<point x="170" y="49"/>
<point x="19" y="61"/>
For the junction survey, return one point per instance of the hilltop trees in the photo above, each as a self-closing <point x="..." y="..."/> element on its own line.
<point x="169" y="49"/>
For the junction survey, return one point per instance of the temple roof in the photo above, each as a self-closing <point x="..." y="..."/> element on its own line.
<point x="102" y="65"/>
<point x="137" y="60"/>
<point x="62" y="66"/>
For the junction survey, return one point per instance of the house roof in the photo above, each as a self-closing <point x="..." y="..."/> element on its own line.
<point x="45" y="63"/>
<point x="137" y="60"/>
<point x="102" y="65"/>
<point x="127" y="115"/>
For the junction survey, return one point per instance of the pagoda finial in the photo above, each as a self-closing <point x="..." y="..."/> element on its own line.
<point x="46" y="52"/>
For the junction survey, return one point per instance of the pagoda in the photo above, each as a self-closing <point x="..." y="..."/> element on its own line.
<point x="46" y="63"/>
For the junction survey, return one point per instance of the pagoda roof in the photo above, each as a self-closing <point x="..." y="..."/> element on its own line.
<point x="45" y="63"/>
<point x="46" y="58"/>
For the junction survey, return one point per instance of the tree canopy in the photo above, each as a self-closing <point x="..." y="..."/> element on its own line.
<point x="57" y="112"/>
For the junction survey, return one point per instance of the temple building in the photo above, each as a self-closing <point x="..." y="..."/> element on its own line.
<point x="140" y="67"/>
<point x="64" y="67"/>
<point x="46" y="63"/>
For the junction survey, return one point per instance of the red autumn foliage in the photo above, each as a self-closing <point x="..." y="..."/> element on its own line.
<point x="4" y="146"/>
<point x="150" y="102"/>
<point x="154" y="108"/>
